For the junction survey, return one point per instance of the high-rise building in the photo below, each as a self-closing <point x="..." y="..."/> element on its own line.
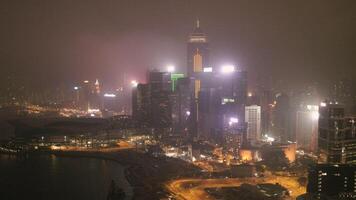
<point x="85" y="95"/>
<point x="159" y="81"/>
<point x="174" y="80"/>
<point x="337" y="135"/>
<point x="160" y="89"/>
<point x="210" y="122"/>
<point x="197" y="61"/>
<point x="253" y="120"/>
<point x="233" y="91"/>
<point x="221" y="103"/>
<point x="307" y="127"/>
<point x="151" y="102"/>
<point x="327" y="181"/>
<point x="185" y="106"/>
<point x="198" y="51"/>
<point x="267" y="105"/>
<point x="141" y="105"/>
<point x="281" y="129"/>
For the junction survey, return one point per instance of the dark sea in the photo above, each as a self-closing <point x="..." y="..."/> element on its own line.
<point x="55" y="177"/>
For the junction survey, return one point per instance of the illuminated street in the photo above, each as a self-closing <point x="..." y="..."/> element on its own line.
<point x="194" y="188"/>
<point x="121" y="146"/>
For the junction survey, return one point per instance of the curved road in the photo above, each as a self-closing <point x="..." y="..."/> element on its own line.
<point x="194" y="189"/>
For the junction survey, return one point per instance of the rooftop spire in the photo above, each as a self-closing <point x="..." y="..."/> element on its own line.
<point x="198" y="23"/>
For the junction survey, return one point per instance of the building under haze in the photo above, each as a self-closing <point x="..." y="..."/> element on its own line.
<point x="198" y="51"/>
<point x="281" y="118"/>
<point x="337" y="135"/>
<point x="221" y="104"/>
<point x="185" y="104"/>
<point x="141" y="105"/>
<point x="151" y="102"/>
<point x="307" y="127"/>
<point x="253" y="120"/>
<point x="327" y="181"/>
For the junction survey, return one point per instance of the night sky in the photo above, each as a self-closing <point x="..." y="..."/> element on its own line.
<point x="60" y="41"/>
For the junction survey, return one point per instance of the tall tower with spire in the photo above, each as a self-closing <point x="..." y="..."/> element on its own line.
<point x="197" y="60"/>
<point x="198" y="51"/>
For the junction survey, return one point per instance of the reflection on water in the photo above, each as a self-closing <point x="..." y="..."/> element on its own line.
<point x="52" y="177"/>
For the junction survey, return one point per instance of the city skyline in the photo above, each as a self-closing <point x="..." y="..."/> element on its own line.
<point x="104" y="41"/>
<point x="178" y="100"/>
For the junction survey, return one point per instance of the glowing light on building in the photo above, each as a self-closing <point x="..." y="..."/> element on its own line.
<point x="315" y="115"/>
<point x="187" y="113"/>
<point x="109" y="95"/>
<point x="226" y="69"/>
<point x="134" y="83"/>
<point x="269" y="138"/>
<point x="249" y="94"/>
<point x="322" y="104"/>
<point x="233" y="120"/>
<point x="76" y="88"/>
<point x="93" y="110"/>
<point x="174" y="79"/>
<point x="86" y="81"/>
<point x="226" y="100"/>
<point x="170" y="68"/>
<point x="208" y="69"/>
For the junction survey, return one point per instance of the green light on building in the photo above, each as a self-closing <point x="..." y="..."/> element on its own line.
<point x="174" y="79"/>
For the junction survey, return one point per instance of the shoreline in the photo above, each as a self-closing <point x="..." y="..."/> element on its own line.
<point x="95" y="155"/>
<point x="102" y="156"/>
<point x="147" y="175"/>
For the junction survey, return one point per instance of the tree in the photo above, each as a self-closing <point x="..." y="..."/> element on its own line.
<point x="274" y="158"/>
<point x="303" y="181"/>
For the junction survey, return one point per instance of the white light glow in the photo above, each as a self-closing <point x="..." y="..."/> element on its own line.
<point x="269" y="139"/>
<point x="170" y="68"/>
<point x="94" y="110"/>
<point x="234" y="120"/>
<point x="76" y="88"/>
<point x="109" y="95"/>
<point x="322" y="104"/>
<point x="227" y="69"/>
<point x="134" y="83"/>
<point x="208" y="69"/>
<point x="315" y="115"/>
<point x="86" y="81"/>
<point x="187" y="113"/>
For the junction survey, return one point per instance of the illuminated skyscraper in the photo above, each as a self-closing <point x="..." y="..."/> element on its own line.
<point x="253" y="120"/>
<point x="198" y="51"/>
<point x="281" y="125"/>
<point x="97" y="86"/>
<point x="337" y="135"/>
<point x="326" y="181"/>
<point x="307" y="127"/>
